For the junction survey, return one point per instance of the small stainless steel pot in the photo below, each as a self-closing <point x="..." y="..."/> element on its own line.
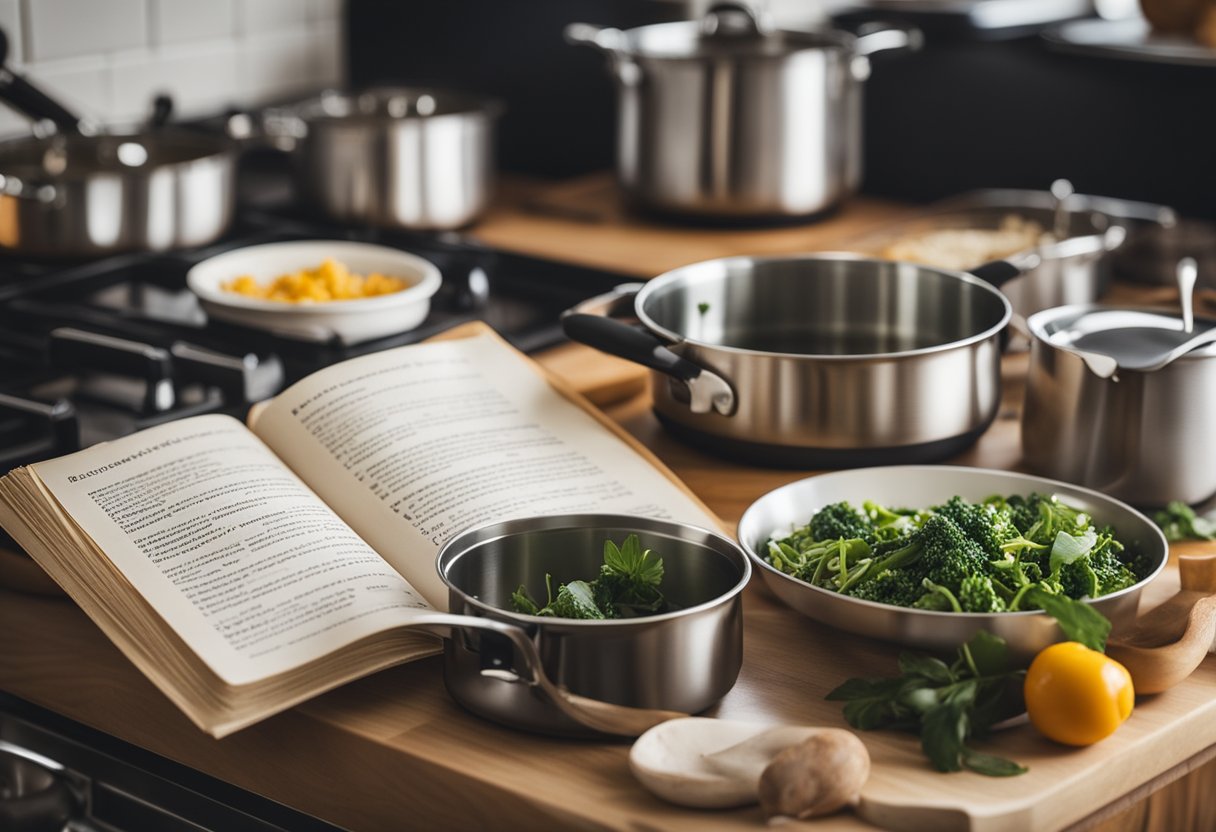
<point x="817" y="360"/>
<point x="86" y="196"/>
<point x="1145" y="437"/>
<point x="682" y="661"/>
<point x="392" y="156"/>
<point x="727" y="118"/>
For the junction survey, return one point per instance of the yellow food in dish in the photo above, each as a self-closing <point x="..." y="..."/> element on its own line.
<point x="331" y="280"/>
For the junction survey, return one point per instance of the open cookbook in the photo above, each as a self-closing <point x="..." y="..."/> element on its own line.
<point x="246" y="569"/>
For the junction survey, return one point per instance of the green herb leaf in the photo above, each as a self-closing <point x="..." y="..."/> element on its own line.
<point x="991" y="765"/>
<point x="935" y="670"/>
<point x="1068" y="548"/>
<point x="575" y="600"/>
<point x="1078" y="621"/>
<point x="521" y="601"/>
<point x="989" y="653"/>
<point x="942" y="732"/>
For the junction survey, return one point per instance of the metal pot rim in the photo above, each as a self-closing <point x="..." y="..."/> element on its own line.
<point x="1037" y="325"/>
<point x="669" y="277"/>
<point x="793" y="42"/>
<point x="463" y="105"/>
<point x="211" y="150"/>
<point x="450" y="553"/>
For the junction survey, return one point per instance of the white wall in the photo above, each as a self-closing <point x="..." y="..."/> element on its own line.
<point x="107" y="59"/>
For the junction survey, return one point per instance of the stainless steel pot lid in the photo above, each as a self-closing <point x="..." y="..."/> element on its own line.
<point x="728" y="30"/>
<point x="67" y="157"/>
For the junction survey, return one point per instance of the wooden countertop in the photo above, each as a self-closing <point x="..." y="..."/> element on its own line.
<point x="393" y="752"/>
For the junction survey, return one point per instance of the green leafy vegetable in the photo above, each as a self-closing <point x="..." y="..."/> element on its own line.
<point x="1079" y="622"/>
<point x="626" y="587"/>
<point x="960" y="556"/>
<point x="947" y="705"/>
<point x="1180" y="522"/>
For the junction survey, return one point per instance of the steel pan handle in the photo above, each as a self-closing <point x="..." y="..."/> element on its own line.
<point x="605" y="717"/>
<point x="707" y="391"/>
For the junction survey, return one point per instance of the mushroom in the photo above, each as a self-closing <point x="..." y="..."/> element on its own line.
<point x="718" y="763"/>
<point x="818" y="776"/>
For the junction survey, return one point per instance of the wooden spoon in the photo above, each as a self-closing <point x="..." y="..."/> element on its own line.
<point x="1165" y="645"/>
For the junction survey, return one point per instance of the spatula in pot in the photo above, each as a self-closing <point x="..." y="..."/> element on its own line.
<point x="1164" y="646"/>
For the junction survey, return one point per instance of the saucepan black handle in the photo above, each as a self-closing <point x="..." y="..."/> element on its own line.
<point x="707" y="390"/>
<point x="999" y="272"/>
<point x="28" y="99"/>
<point x="627" y="342"/>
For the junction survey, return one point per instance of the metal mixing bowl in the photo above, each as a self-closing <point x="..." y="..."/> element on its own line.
<point x="921" y="486"/>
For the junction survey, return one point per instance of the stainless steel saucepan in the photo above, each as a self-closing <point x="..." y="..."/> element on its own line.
<point x="577" y="677"/>
<point x="398" y="157"/>
<point x="78" y="192"/>
<point x="1142" y="436"/>
<point x="816" y="360"/>
<point x="728" y="118"/>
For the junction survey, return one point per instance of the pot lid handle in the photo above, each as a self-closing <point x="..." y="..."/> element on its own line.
<point x="728" y="19"/>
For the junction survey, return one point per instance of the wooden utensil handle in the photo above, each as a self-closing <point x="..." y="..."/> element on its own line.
<point x="1197" y="572"/>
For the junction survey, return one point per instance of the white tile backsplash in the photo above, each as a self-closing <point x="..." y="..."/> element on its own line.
<point x="74" y="28"/>
<point x="80" y="84"/>
<point x="10" y="21"/>
<point x="109" y="58"/>
<point x="261" y="16"/>
<point x="201" y="78"/>
<point x="183" y="21"/>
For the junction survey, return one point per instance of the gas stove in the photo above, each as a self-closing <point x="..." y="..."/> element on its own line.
<point x="91" y="351"/>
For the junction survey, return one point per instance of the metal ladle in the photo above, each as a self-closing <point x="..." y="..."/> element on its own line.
<point x="1149" y="348"/>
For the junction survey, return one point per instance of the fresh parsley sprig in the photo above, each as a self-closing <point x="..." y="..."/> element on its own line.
<point x="627" y="587"/>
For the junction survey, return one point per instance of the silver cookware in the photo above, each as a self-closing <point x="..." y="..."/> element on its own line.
<point x="816" y="360"/>
<point x="1075" y="260"/>
<point x="727" y="118"/>
<point x="85" y="196"/>
<point x="577" y="677"/>
<point x="920" y="486"/>
<point x="1144" y="435"/>
<point x="392" y="156"/>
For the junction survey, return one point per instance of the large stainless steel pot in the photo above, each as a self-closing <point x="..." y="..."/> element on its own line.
<point x="554" y="675"/>
<point x="1145" y="437"/>
<point x="823" y="360"/>
<point x="71" y="190"/>
<point x="393" y="156"/>
<point x="87" y="196"/>
<point x="727" y="118"/>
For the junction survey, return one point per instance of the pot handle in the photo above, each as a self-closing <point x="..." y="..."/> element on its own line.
<point x="879" y="36"/>
<point x="706" y="390"/>
<point x="731" y="19"/>
<point x="604" y="38"/>
<point x="999" y="272"/>
<point x="605" y="717"/>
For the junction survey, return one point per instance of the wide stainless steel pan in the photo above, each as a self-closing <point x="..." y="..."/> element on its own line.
<point x="816" y="360"/>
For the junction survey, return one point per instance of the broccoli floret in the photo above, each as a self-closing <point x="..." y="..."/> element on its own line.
<point x="938" y="598"/>
<point x="979" y="594"/>
<point x="987" y="525"/>
<point x="938" y="551"/>
<point x="949" y="555"/>
<point x="839" y="521"/>
<point x="899" y="587"/>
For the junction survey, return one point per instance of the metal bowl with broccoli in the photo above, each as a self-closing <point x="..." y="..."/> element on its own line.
<point x="977" y="549"/>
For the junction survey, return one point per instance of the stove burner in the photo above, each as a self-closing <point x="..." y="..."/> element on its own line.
<point x="91" y="351"/>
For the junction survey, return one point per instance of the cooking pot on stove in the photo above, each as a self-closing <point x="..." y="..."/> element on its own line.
<point x="816" y="360"/>
<point x="397" y="157"/>
<point x="728" y="118"/>
<point x="78" y="192"/>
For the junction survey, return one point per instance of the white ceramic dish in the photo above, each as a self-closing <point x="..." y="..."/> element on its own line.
<point x="348" y="321"/>
<point x="921" y="486"/>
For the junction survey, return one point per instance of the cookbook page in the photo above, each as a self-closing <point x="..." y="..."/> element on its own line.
<point x="414" y="444"/>
<point x="253" y="571"/>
